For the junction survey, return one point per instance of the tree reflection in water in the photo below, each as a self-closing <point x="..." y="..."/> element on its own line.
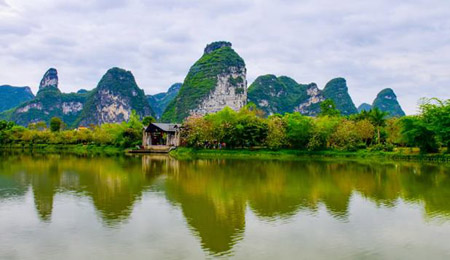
<point x="213" y="195"/>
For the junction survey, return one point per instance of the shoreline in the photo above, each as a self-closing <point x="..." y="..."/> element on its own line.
<point x="76" y="149"/>
<point x="183" y="153"/>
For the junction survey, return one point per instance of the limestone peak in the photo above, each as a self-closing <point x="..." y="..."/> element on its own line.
<point x="50" y="79"/>
<point x="216" y="45"/>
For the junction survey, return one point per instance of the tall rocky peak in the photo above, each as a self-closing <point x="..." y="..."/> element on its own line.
<point x="337" y="90"/>
<point x="216" y="45"/>
<point x="364" y="107"/>
<point x="49" y="102"/>
<point x="386" y="101"/>
<point x="116" y="95"/>
<point x="216" y="80"/>
<point x="50" y="79"/>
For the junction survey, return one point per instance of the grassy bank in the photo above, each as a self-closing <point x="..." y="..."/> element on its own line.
<point x="63" y="148"/>
<point x="399" y="154"/>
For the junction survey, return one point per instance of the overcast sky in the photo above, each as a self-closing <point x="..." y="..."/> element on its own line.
<point x="404" y="44"/>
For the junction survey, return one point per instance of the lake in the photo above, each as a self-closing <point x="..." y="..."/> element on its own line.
<point x="156" y="207"/>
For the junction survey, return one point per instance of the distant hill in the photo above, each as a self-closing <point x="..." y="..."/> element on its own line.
<point x="283" y="94"/>
<point x="111" y="102"/>
<point x="49" y="102"/>
<point x="364" y="107"/>
<point x="11" y="96"/>
<point x="160" y="101"/>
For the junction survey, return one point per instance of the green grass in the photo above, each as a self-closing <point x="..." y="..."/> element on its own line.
<point x="79" y="149"/>
<point x="287" y="154"/>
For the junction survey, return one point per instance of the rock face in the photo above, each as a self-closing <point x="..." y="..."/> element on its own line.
<point x="311" y="106"/>
<point x="337" y="90"/>
<point x="49" y="102"/>
<point x="278" y="94"/>
<point x="283" y="94"/>
<point x="216" y="80"/>
<point x="11" y="97"/>
<point x="160" y="101"/>
<point x="116" y="95"/>
<point x="386" y="101"/>
<point x="364" y="107"/>
<point x="50" y="79"/>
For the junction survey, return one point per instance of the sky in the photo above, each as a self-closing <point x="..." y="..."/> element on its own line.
<point x="398" y="44"/>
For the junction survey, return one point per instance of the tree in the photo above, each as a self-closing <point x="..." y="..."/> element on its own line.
<point x="56" y="124"/>
<point x="393" y="131"/>
<point x="147" y="120"/>
<point x="328" y="108"/>
<point x="365" y="130"/>
<point x="436" y="114"/>
<point x="196" y="131"/>
<point x="276" y="134"/>
<point x="323" y="128"/>
<point x="298" y="129"/>
<point x="378" y="119"/>
<point x="416" y="132"/>
<point x="346" y="136"/>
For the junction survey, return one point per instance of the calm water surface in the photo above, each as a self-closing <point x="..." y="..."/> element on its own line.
<point x="155" y="207"/>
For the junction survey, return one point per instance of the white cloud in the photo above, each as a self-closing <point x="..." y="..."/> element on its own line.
<point x="373" y="44"/>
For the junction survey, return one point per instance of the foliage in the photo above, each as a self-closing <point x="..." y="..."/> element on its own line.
<point x="323" y="128"/>
<point x="147" y="120"/>
<point x="436" y="114"/>
<point x="328" y="108"/>
<point x="298" y="129"/>
<point x="276" y="132"/>
<point x="417" y="133"/>
<point x="346" y="136"/>
<point x="56" y="124"/>
<point x="378" y="119"/>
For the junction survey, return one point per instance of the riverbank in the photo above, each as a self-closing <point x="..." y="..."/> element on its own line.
<point x="183" y="153"/>
<point x="79" y="149"/>
<point x="406" y="154"/>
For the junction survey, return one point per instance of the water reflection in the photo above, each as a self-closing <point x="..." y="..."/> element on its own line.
<point x="213" y="195"/>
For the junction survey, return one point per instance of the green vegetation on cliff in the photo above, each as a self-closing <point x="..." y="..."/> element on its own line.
<point x="12" y="96"/>
<point x="160" y="101"/>
<point x="337" y="90"/>
<point x="276" y="94"/>
<point x="218" y="58"/>
<point x="386" y="101"/>
<point x="118" y="92"/>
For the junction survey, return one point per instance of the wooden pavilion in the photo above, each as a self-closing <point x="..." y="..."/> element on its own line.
<point x="161" y="135"/>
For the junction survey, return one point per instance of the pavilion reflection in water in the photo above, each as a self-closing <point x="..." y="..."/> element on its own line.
<point x="213" y="195"/>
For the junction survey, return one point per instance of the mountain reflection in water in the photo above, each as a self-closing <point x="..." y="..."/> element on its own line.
<point x="215" y="196"/>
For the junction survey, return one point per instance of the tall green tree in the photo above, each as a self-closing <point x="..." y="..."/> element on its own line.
<point x="378" y="119"/>
<point x="328" y="108"/>
<point x="417" y="132"/>
<point x="436" y="114"/>
<point x="298" y="129"/>
<point x="147" y="120"/>
<point x="56" y="124"/>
